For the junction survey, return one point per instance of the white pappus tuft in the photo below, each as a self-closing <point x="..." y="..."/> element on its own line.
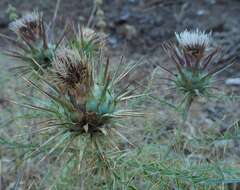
<point x="32" y="17"/>
<point x="193" y="39"/>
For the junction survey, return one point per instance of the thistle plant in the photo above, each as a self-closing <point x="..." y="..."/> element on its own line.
<point x="33" y="48"/>
<point x="83" y="110"/>
<point x="194" y="61"/>
<point x="90" y="88"/>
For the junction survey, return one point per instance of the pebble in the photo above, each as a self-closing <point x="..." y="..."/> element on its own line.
<point x="3" y="22"/>
<point x="127" y="31"/>
<point x="233" y="81"/>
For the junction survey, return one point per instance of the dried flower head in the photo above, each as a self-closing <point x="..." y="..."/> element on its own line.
<point x="33" y="49"/>
<point x="73" y="73"/>
<point x="194" y="42"/>
<point x="29" y="27"/>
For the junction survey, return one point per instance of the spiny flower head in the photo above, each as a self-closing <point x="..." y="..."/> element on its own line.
<point x="33" y="48"/>
<point x="194" y="42"/>
<point x="29" y="27"/>
<point x="73" y="73"/>
<point x="89" y="86"/>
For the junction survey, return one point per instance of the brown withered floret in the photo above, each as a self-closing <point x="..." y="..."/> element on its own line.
<point x="73" y="73"/>
<point x="30" y="27"/>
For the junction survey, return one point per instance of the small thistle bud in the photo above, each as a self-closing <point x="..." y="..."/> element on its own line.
<point x="100" y="13"/>
<point x="194" y="42"/>
<point x="88" y="42"/>
<point x="98" y="2"/>
<point x="101" y="24"/>
<point x="29" y="27"/>
<point x="11" y="12"/>
<point x="73" y="73"/>
<point x="88" y="34"/>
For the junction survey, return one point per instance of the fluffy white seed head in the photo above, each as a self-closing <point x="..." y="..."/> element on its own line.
<point x="28" y="18"/>
<point x="193" y="39"/>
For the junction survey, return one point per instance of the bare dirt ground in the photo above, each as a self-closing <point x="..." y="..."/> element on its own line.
<point x="144" y="24"/>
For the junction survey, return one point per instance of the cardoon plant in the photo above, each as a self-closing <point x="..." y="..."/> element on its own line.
<point x="194" y="61"/>
<point x="33" y="48"/>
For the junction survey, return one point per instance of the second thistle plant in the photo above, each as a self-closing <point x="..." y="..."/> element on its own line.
<point x="193" y="57"/>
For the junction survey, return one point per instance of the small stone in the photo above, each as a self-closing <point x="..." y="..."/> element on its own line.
<point x="128" y="31"/>
<point x="113" y="41"/>
<point x="233" y="81"/>
<point x="85" y="127"/>
<point x="3" y="22"/>
<point x="201" y="12"/>
<point x="125" y="14"/>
